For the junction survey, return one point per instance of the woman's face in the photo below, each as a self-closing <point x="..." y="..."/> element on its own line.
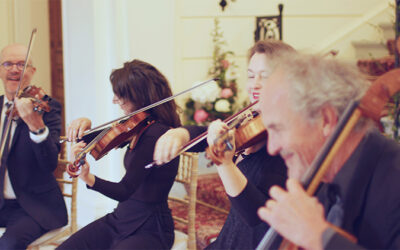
<point x="257" y="73"/>
<point x="125" y="105"/>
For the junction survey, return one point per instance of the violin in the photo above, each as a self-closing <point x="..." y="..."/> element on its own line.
<point x="39" y="98"/>
<point x="245" y="136"/>
<point x="118" y="135"/>
<point x="248" y="132"/>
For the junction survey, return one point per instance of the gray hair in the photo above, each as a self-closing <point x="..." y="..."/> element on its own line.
<point x="316" y="81"/>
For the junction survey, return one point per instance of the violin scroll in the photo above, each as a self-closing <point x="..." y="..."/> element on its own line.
<point x="74" y="167"/>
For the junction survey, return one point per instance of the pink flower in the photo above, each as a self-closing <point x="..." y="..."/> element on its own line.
<point x="200" y="116"/>
<point x="225" y="64"/>
<point x="226" y="93"/>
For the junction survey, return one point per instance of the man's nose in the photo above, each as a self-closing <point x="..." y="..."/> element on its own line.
<point x="14" y="68"/>
<point x="273" y="146"/>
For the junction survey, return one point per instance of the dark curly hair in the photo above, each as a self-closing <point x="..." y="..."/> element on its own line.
<point x="142" y="84"/>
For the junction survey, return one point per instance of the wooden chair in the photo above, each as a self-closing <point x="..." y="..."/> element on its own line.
<point x="187" y="175"/>
<point x="69" y="187"/>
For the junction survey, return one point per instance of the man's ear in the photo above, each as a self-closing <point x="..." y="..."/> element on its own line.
<point x="329" y="120"/>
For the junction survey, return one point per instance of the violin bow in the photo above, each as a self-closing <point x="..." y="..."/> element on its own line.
<point x="64" y="139"/>
<point x="370" y="105"/>
<point x="9" y="118"/>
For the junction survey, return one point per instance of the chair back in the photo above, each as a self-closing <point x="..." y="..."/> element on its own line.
<point x="69" y="187"/>
<point x="187" y="175"/>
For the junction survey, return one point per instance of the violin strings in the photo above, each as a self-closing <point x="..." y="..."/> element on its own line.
<point x="95" y="140"/>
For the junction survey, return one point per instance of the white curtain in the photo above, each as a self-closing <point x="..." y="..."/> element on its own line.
<point x="100" y="35"/>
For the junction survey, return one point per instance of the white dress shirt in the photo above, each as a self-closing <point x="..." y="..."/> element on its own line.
<point x="8" y="189"/>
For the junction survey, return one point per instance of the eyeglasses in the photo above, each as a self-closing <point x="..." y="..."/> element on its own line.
<point x="20" y="65"/>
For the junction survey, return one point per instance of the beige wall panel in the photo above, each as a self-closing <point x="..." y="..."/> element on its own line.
<point x="6" y="22"/>
<point x="6" y="27"/>
<point x="41" y="49"/>
<point x="197" y="38"/>
<point x="304" y="33"/>
<point x="193" y="8"/>
<point x="238" y="34"/>
<point x="308" y="33"/>
<point x="194" y="70"/>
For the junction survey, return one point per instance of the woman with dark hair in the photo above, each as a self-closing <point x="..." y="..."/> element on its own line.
<point x="142" y="219"/>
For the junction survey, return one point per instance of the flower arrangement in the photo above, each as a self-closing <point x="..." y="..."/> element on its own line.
<point x="215" y="100"/>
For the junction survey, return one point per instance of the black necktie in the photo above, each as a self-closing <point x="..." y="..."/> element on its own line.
<point x="3" y="165"/>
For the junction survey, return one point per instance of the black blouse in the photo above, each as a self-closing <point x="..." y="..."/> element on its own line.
<point x="147" y="185"/>
<point x="243" y="229"/>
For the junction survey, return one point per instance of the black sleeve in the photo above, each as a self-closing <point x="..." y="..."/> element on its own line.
<point x="46" y="152"/>
<point x="271" y="172"/>
<point x="135" y="174"/>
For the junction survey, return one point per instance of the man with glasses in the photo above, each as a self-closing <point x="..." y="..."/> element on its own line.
<point x="31" y="201"/>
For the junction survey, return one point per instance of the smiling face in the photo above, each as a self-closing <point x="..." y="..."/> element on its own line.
<point x="290" y="133"/>
<point x="11" y="77"/>
<point x="257" y="73"/>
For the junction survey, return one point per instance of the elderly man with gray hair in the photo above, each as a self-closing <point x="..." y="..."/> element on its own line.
<point x="301" y="104"/>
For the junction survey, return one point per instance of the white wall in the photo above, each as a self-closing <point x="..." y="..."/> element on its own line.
<point x="100" y="35"/>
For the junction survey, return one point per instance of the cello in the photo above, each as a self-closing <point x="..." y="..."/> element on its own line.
<point x="371" y="106"/>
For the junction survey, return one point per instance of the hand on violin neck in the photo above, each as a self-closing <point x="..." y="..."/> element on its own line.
<point x="33" y="119"/>
<point x="86" y="176"/>
<point x="169" y="145"/>
<point x="76" y="149"/>
<point x="77" y="128"/>
<point x="215" y="130"/>
<point x="83" y="172"/>
<point x="80" y="167"/>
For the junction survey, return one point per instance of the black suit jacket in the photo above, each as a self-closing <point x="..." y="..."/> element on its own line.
<point x="372" y="202"/>
<point x="30" y="167"/>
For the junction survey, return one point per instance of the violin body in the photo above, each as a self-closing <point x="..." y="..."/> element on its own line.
<point x="127" y="131"/>
<point x="248" y="132"/>
<point x="39" y="98"/>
